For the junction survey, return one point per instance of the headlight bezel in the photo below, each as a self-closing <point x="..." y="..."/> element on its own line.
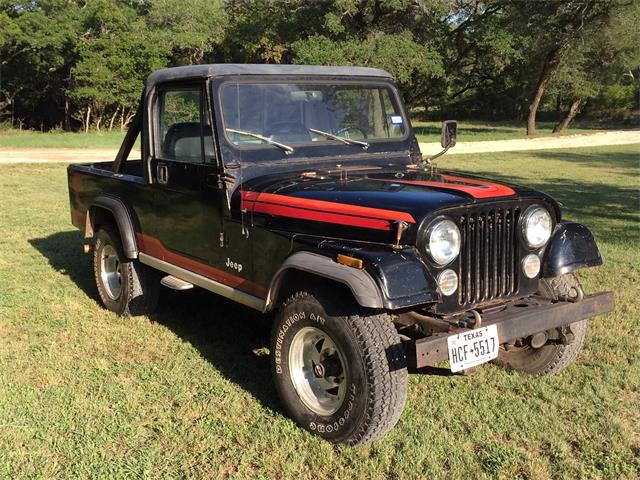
<point x="524" y="222"/>
<point x="426" y="241"/>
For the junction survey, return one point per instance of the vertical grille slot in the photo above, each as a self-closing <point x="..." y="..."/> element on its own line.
<point x="488" y="258"/>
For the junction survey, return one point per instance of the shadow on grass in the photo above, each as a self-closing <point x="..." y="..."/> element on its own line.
<point x="595" y="160"/>
<point x="229" y="336"/>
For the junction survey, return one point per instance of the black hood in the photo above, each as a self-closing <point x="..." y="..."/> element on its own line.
<point x="364" y="202"/>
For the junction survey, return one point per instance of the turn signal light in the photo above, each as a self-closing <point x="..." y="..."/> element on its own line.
<point x="350" y="261"/>
<point x="531" y="265"/>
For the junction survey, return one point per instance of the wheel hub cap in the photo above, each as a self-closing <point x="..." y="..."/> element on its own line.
<point x="111" y="272"/>
<point x="318" y="370"/>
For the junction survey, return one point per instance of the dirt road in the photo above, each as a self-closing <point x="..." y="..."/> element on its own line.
<point x="619" y="137"/>
<point x="70" y="155"/>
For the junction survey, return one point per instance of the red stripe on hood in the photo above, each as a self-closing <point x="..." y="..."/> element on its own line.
<point x="473" y="187"/>
<point x="322" y="211"/>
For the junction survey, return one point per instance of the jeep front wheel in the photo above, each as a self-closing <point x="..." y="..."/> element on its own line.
<point x="550" y="356"/>
<point x="342" y="376"/>
<point x="125" y="286"/>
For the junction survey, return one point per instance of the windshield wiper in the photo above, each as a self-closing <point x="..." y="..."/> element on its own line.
<point x="288" y="150"/>
<point x="345" y="140"/>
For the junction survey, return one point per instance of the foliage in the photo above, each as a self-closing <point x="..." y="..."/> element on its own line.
<point x="83" y="63"/>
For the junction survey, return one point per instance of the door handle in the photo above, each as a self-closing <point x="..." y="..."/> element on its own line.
<point x="162" y="174"/>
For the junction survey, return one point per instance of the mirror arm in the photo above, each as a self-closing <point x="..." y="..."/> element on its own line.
<point x="430" y="159"/>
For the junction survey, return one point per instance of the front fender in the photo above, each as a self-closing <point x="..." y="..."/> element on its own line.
<point x="571" y="248"/>
<point x="391" y="279"/>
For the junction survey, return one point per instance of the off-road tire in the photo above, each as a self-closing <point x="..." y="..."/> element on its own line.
<point x="376" y="387"/>
<point x="552" y="357"/>
<point x="140" y="285"/>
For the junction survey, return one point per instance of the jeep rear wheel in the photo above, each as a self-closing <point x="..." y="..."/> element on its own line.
<point x="342" y="376"/>
<point x="125" y="286"/>
<point x="551" y="356"/>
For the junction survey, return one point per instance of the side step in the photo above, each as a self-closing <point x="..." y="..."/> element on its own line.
<point x="175" y="283"/>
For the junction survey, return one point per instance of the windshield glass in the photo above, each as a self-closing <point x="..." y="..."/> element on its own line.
<point x="294" y="113"/>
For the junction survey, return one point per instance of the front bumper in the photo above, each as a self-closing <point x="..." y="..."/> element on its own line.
<point x="518" y="320"/>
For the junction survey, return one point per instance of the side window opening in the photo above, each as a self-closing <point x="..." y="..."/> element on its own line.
<point x="184" y="128"/>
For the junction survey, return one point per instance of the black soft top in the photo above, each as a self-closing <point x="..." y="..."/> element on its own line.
<point x="214" y="70"/>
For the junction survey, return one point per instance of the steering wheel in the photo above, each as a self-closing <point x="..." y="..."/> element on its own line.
<point x="352" y="127"/>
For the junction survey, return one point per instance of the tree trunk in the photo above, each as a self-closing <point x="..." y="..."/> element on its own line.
<point x="570" y="115"/>
<point x="129" y="117"/>
<point x="87" y="120"/>
<point x="66" y="119"/>
<point x="549" y="66"/>
<point x="122" y="113"/>
<point x="113" y="118"/>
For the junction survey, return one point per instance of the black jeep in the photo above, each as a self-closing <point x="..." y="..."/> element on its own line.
<point x="302" y="190"/>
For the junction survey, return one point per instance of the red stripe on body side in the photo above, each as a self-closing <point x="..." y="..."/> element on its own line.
<point x="78" y="218"/>
<point x="317" y="216"/>
<point x="322" y="211"/>
<point x="335" y="207"/>
<point x="153" y="247"/>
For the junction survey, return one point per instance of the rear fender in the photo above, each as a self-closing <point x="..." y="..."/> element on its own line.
<point x="571" y="248"/>
<point x="123" y="218"/>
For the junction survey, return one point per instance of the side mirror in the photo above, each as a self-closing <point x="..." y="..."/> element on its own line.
<point x="449" y="133"/>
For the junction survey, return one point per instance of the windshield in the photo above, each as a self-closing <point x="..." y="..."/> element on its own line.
<point x="295" y="113"/>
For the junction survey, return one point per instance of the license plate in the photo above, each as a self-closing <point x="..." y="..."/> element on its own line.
<point x="472" y="348"/>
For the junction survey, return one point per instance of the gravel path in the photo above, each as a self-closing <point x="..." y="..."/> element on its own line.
<point x="619" y="137"/>
<point x="71" y="155"/>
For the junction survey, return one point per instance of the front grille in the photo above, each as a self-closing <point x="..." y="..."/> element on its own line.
<point x="488" y="259"/>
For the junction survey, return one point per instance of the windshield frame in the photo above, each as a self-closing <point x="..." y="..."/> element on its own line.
<point x="312" y="148"/>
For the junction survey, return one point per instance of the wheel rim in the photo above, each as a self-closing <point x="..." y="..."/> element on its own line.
<point x="111" y="272"/>
<point x="318" y="370"/>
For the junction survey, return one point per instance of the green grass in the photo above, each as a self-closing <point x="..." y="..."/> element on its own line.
<point x="84" y="393"/>
<point x="60" y="139"/>
<point x="470" y="131"/>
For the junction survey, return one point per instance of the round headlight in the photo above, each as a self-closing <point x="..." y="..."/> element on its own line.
<point x="444" y="241"/>
<point x="536" y="227"/>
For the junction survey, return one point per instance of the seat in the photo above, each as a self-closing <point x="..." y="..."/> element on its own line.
<point x="182" y="142"/>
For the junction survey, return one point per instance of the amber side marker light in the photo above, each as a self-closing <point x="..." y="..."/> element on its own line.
<point x="350" y="261"/>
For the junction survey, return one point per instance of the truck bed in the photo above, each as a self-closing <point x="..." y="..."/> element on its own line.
<point x="88" y="181"/>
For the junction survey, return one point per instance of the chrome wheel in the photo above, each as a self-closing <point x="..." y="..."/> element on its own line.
<point x="111" y="272"/>
<point x="318" y="370"/>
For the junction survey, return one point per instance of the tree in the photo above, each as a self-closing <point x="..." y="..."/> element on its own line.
<point x="549" y="31"/>
<point x="36" y="52"/>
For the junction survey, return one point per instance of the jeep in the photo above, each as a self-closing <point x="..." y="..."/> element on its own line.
<point x="302" y="191"/>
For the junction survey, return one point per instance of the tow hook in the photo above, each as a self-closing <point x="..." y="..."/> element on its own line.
<point x="475" y="322"/>
<point x="477" y="319"/>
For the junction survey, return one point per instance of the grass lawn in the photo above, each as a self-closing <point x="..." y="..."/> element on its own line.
<point x="187" y="392"/>
<point x="468" y="131"/>
<point x="60" y="139"/>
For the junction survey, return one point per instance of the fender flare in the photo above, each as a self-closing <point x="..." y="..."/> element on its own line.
<point x="123" y="218"/>
<point x="364" y="288"/>
<point x="571" y="247"/>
